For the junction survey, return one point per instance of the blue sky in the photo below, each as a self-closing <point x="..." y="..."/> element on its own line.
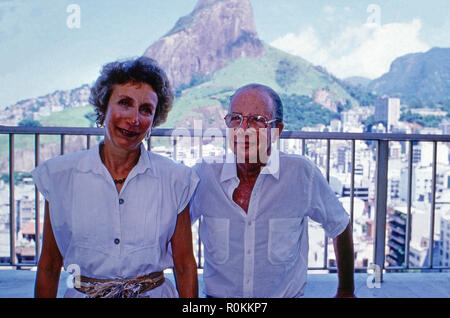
<point x="39" y="53"/>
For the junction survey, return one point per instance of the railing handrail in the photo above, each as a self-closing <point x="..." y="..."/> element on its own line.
<point x="285" y="134"/>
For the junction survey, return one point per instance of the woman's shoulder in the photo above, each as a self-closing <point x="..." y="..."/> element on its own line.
<point x="66" y="161"/>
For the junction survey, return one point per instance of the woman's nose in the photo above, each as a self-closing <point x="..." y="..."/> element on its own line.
<point x="133" y="118"/>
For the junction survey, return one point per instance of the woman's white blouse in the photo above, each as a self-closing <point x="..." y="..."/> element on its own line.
<point x="111" y="235"/>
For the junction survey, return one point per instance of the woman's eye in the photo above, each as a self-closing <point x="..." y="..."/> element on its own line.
<point x="124" y="102"/>
<point x="146" y="110"/>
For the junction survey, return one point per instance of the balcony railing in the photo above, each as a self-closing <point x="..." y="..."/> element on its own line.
<point x="379" y="141"/>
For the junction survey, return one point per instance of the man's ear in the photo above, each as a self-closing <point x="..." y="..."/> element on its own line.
<point x="276" y="132"/>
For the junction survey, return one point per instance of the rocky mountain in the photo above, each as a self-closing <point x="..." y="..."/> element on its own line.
<point x="208" y="54"/>
<point x="424" y="76"/>
<point x="39" y="107"/>
<point x="206" y="40"/>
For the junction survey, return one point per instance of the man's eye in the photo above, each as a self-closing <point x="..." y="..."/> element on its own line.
<point x="235" y="117"/>
<point x="258" y="119"/>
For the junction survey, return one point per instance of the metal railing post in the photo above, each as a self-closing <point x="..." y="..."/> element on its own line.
<point x="325" y="257"/>
<point x="62" y="144"/>
<point x="174" y="157"/>
<point x="433" y="203"/>
<point x="12" y="204"/>
<point x="409" y="204"/>
<point x="37" y="213"/>
<point x="380" y="207"/>
<point x="352" y="183"/>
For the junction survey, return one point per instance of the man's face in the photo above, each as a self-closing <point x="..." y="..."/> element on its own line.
<point x="251" y="144"/>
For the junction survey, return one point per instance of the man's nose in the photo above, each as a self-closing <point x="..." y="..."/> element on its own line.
<point x="245" y="123"/>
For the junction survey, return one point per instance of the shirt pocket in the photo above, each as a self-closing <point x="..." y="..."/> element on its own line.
<point x="215" y="235"/>
<point x="284" y="237"/>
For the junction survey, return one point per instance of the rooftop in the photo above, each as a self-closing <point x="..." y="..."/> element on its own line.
<point x="20" y="284"/>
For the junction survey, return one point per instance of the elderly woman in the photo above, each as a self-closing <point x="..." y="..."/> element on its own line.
<point x="118" y="214"/>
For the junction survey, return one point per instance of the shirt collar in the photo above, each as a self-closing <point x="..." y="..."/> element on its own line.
<point x="92" y="162"/>
<point x="271" y="168"/>
<point x="273" y="164"/>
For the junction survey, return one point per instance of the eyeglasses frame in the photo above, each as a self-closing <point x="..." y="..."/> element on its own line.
<point x="248" y="116"/>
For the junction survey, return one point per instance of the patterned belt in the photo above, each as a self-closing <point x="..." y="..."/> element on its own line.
<point x="119" y="288"/>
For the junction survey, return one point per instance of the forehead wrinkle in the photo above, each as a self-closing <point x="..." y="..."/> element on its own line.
<point x="143" y="97"/>
<point x="250" y="94"/>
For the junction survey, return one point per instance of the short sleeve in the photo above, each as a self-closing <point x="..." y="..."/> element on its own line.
<point x="41" y="177"/>
<point x="185" y="186"/>
<point x="324" y="206"/>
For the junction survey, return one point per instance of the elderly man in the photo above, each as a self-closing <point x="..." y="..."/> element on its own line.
<point x="254" y="208"/>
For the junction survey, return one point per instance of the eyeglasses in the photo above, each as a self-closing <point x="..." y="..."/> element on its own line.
<point x="235" y="120"/>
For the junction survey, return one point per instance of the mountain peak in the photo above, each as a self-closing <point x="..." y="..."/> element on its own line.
<point x="417" y="76"/>
<point x="205" y="40"/>
<point x="204" y="3"/>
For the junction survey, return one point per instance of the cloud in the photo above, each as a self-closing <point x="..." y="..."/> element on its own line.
<point x="366" y="50"/>
<point x="329" y="9"/>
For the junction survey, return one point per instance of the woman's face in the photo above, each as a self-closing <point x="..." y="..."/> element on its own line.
<point x="129" y="115"/>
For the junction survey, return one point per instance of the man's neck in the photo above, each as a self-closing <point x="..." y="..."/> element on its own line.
<point x="248" y="171"/>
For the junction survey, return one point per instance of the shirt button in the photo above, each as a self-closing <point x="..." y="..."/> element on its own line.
<point x="116" y="241"/>
<point x="249" y="223"/>
<point x="121" y="201"/>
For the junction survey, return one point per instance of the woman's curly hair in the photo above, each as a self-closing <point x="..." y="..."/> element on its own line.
<point x="136" y="70"/>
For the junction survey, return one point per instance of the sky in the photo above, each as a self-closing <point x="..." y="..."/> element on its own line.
<point x="48" y="45"/>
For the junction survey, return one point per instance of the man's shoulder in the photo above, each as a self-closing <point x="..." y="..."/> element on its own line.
<point x="166" y="166"/>
<point x="295" y="160"/>
<point x="214" y="162"/>
<point x="209" y="167"/>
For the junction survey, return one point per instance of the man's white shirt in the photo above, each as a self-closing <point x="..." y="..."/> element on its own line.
<point x="264" y="252"/>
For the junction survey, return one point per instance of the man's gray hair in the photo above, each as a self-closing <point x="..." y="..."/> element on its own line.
<point x="278" y="105"/>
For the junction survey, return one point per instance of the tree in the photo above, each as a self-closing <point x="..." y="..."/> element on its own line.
<point x="286" y="73"/>
<point x="301" y="111"/>
<point x="29" y="123"/>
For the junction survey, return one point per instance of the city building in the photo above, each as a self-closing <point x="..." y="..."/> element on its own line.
<point x="444" y="246"/>
<point x="419" y="241"/>
<point x="396" y="238"/>
<point x="387" y="110"/>
<point x="444" y="126"/>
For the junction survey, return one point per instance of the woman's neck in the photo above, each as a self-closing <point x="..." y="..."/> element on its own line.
<point x="119" y="162"/>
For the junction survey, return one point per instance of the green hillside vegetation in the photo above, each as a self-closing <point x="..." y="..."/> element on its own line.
<point x="302" y="111"/>
<point x="285" y="73"/>
<point x="69" y="117"/>
<point x="425" y="121"/>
